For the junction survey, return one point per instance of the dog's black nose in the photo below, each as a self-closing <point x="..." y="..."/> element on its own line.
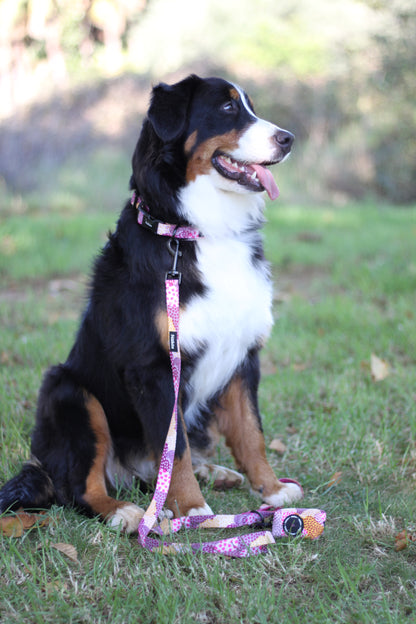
<point x="284" y="139"/>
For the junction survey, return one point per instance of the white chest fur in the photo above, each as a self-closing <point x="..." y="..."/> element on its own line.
<point x="232" y="316"/>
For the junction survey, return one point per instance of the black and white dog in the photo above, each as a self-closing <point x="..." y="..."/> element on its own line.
<point x="103" y="415"/>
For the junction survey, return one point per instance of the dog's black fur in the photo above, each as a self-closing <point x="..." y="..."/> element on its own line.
<point x="107" y="408"/>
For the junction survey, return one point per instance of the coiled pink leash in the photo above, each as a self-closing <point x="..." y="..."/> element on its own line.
<point x="308" y="523"/>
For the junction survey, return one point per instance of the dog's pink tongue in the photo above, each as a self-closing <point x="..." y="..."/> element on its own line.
<point x="267" y="180"/>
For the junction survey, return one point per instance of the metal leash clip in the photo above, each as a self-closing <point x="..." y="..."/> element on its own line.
<point x="263" y="521"/>
<point x="173" y="248"/>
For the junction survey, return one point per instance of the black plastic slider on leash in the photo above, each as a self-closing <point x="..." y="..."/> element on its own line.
<point x="173" y="341"/>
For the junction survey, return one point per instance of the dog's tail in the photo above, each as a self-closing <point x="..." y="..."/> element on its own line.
<point x="32" y="488"/>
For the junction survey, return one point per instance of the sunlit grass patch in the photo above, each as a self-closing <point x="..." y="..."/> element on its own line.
<point x="345" y="289"/>
<point x="47" y="245"/>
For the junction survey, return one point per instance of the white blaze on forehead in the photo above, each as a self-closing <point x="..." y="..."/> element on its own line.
<point x="245" y="100"/>
<point x="256" y="144"/>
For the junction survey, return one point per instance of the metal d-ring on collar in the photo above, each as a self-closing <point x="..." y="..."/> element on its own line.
<point x="175" y="232"/>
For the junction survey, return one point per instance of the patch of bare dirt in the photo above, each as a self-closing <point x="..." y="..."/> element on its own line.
<point x="64" y="298"/>
<point x="300" y="281"/>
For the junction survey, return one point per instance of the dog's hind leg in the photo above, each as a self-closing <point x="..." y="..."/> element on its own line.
<point x="204" y="441"/>
<point x="119" y="514"/>
<point x="71" y="441"/>
<point x="32" y="488"/>
<point x="221" y="477"/>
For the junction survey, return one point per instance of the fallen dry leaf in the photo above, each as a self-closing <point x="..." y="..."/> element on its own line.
<point x="402" y="540"/>
<point x="277" y="445"/>
<point x="11" y="526"/>
<point x="54" y="587"/>
<point x="291" y="429"/>
<point x="15" y="525"/>
<point x="334" y="480"/>
<point x="379" y="368"/>
<point x="68" y="550"/>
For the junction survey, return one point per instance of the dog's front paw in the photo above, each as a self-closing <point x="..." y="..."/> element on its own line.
<point x="288" y="493"/>
<point x="166" y="514"/>
<point x="126" y="518"/>
<point x="200" y="511"/>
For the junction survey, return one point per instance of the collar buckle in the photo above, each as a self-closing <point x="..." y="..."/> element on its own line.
<point x="145" y="219"/>
<point x="149" y="222"/>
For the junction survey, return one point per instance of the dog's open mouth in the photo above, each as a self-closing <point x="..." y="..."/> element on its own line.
<point x="253" y="176"/>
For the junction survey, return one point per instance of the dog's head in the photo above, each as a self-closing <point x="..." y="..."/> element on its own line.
<point x="206" y="127"/>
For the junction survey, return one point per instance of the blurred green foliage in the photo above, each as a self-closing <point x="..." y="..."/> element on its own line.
<point x="340" y="73"/>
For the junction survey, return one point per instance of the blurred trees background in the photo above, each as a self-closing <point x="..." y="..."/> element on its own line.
<point x="339" y="73"/>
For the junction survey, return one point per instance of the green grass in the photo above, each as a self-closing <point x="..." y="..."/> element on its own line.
<point x="345" y="288"/>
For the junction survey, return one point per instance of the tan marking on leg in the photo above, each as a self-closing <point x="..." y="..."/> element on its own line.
<point x="240" y="426"/>
<point x="185" y="496"/>
<point x="96" y="495"/>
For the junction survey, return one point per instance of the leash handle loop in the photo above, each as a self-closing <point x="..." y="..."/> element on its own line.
<point x="311" y="523"/>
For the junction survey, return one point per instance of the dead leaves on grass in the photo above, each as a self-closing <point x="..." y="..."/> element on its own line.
<point x="278" y="446"/>
<point x="15" y="525"/>
<point x="403" y="539"/>
<point x="334" y="480"/>
<point x="18" y="523"/>
<point x="68" y="550"/>
<point x="380" y="370"/>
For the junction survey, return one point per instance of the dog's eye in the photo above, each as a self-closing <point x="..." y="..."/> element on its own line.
<point x="229" y="106"/>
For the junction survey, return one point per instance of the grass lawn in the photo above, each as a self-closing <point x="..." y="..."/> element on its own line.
<point x="345" y="289"/>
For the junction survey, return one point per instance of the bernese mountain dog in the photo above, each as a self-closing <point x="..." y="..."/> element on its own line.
<point x="201" y="160"/>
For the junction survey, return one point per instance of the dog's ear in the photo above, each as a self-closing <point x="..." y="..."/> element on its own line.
<point x="169" y="106"/>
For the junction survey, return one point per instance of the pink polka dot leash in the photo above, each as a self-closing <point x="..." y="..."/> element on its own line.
<point x="308" y="523"/>
<point x="289" y="522"/>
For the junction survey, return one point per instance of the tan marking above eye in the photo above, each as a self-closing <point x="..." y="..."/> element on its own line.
<point x="234" y="94"/>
